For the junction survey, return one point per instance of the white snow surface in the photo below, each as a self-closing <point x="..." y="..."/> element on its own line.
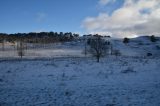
<point x="121" y="81"/>
<point x="44" y="51"/>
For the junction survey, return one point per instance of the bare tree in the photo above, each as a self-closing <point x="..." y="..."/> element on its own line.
<point x="85" y="46"/>
<point x="20" y="48"/>
<point x="3" y="44"/>
<point x="98" y="47"/>
<point x="2" y="41"/>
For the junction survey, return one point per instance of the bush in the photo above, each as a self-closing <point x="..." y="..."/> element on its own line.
<point x="157" y="47"/>
<point x="153" y="39"/>
<point x="126" y="40"/>
<point x="140" y="43"/>
<point x="149" y="54"/>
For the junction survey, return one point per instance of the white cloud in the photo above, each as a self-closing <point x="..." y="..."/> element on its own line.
<point x="129" y="20"/>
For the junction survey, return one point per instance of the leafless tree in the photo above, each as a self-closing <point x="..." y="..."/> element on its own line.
<point x="2" y="41"/>
<point x="85" y="46"/>
<point x="98" y="47"/>
<point x="20" y="48"/>
<point x="3" y="44"/>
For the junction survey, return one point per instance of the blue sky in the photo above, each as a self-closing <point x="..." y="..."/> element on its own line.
<point x="118" y="18"/>
<point x="48" y="15"/>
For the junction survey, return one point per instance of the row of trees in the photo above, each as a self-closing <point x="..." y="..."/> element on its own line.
<point x="33" y="37"/>
<point x="41" y="37"/>
<point x="20" y="40"/>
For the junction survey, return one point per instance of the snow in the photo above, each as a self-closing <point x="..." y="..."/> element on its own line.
<point x="61" y="75"/>
<point x="121" y="81"/>
<point x="139" y="46"/>
<point x="44" y="51"/>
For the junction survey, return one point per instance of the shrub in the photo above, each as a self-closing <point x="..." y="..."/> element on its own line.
<point x="153" y="39"/>
<point x="149" y="54"/>
<point x="157" y="47"/>
<point x="126" y="40"/>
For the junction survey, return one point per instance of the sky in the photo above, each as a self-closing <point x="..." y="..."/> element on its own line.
<point x="118" y="18"/>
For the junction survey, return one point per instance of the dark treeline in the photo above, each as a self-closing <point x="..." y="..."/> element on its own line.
<point x="33" y="37"/>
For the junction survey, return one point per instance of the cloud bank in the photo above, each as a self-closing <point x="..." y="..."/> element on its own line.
<point x="135" y="17"/>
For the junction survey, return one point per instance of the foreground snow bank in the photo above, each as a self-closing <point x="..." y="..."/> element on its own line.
<point x="80" y="82"/>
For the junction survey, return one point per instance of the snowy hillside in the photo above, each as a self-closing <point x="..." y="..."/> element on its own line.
<point x="139" y="46"/>
<point x="61" y="75"/>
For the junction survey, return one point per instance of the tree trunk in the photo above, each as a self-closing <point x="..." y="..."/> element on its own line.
<point x="98" y="59"/>
<point x="3" y="45"/>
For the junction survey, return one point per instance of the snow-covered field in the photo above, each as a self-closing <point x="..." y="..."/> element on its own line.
<point x="122" y="81"/>
<point x="61" y="75"/>
<point x="44" y="51"/>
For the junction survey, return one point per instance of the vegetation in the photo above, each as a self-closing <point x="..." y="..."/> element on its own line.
<point x="98" y="47"/>
<point x="153" y="39"/>
<point x="33" y="37"/>
<point x="126" y="40"/>
<point x="20" y="48"/>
